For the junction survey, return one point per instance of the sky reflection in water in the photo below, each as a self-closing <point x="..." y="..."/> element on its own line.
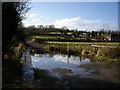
<point x="48" y="62"/>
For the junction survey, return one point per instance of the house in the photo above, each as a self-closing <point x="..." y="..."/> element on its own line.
<point x="55" y="33"/>
<point x="84" y="35"/>
<point x="107" y="38"/>
<point x="69" y="33"/>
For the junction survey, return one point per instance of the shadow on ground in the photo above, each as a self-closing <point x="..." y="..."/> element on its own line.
<point x="68" y="82"/>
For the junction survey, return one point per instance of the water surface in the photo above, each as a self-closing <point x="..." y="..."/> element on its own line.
<point x="61" y="64"/>
<point x="45" y="61"/>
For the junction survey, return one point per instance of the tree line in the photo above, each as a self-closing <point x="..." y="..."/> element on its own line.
<point x="40" y="29"/>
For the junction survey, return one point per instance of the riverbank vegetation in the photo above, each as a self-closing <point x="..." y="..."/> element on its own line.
<point x="12" y="43"/>
<point x="96" y="51"/>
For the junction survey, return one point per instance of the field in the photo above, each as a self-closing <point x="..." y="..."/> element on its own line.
<point x="67" y="38"/>
<point x="45" y="37"/>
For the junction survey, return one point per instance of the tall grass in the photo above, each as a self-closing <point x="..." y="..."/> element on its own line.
<point x="85" y="49"/>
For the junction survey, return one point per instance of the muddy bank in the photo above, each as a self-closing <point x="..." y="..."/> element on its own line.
<point x="105" y="75"/>
<point x="78" y="82"/>
<point x="70" y="81"/>
<point x="104" y="71"/>
<point x="47" y="79"/>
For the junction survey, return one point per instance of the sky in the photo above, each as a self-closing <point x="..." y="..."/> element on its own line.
<point x="74" y="15"/>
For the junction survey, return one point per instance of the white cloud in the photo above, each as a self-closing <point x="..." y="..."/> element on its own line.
<point x="68" y="22"/>
<point x="77" y="22"/>
<point x="35" y="19"/>
<point x="71" y="23"/>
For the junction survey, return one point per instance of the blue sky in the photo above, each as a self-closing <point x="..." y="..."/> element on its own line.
<point x="80" y="15"/>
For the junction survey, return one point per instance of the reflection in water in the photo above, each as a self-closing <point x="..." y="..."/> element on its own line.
<point x="46" y="61"/>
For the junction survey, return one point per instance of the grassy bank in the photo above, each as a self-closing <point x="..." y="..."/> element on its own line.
<point x="103" y="51"/>
<point x="11" y="66"/>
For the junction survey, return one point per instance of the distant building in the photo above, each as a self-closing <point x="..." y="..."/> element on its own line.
<point x="111" y="38"/>
<point x="55" y="33"/>
<point x="107" y="38"/>
<point x="69" y="33"/>
<point x="83" y="35"/>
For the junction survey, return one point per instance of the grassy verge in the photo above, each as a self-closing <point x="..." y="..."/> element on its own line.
<point x="12" y="68"/>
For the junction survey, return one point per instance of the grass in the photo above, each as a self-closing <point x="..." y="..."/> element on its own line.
<point x="45" y="37"/>
<point x="60" y="37"/>
<point x="87" y="43"/>
<point x="12" y="68"/>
